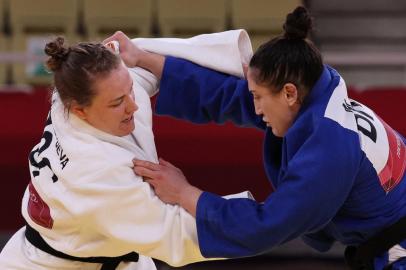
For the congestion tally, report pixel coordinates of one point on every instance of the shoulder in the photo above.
(144, 80)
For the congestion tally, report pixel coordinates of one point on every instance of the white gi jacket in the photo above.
(97, 205)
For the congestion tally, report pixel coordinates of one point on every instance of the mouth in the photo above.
(266, 121)
(128, 120)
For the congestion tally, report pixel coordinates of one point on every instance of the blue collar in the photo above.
(326, 83)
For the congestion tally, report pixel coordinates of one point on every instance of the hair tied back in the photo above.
(58, 53)
(298, 24)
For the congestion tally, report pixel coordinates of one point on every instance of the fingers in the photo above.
(113, 46)
(150, 181)
(111, 38)
(155, 171)
(147, 169)
(170, 165)
(166, 163)
(146, 173)
(146, 164)
(118, 36)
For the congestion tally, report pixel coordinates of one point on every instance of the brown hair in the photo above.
(291, 57)
(76, 68)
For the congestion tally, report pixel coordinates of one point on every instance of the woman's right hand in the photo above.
(129, 53)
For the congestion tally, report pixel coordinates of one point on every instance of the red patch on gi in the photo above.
(38, 210)
(394, 169)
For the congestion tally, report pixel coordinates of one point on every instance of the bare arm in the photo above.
(134, 56)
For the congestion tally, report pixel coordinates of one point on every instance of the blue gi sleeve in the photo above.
(311, 189)
(319, 240)
(201, 95)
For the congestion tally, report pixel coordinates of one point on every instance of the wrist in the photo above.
(142, 59)
(188, 199)
(152, 62)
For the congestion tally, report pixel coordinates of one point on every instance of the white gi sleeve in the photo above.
(146, 79)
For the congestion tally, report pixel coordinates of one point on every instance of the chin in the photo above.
(277, 133)
(124, 133)
(128, 131)
(125, 129)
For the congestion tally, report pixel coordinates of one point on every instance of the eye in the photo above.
(116, 104)
(255, 96)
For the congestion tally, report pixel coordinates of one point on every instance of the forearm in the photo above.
(200, 95)
(152, 62)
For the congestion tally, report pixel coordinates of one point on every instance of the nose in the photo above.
(131, 105)
(258, 109)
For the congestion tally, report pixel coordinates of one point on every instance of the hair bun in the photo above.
(57, 52)
(298, 24)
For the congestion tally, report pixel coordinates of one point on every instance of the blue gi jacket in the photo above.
(338, 173)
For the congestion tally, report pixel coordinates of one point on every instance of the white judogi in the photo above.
(98, 205)
(88, 202)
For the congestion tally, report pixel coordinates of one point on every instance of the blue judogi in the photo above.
(338, 173)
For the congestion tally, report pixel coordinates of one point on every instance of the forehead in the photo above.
(262, 88)
(252, 81)
(252, 76)
(116, 82)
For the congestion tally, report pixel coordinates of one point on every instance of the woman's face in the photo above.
(278, 110)
(113, 106)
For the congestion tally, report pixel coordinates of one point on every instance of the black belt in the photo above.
(362, 257)
(109, 263)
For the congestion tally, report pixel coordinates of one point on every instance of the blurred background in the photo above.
(364, 40)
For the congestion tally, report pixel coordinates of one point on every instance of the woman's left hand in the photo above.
(169, 183)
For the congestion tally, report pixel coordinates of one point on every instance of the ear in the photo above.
(78, 110)
(290, 93)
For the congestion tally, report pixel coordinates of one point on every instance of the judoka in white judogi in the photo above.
(84, 198)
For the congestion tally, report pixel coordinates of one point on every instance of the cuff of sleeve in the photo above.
(206, 204)
(168, 85)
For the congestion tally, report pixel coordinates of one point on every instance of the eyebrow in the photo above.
(121, 97)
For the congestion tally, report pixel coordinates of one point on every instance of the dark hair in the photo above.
(76, 68)
(289, 58)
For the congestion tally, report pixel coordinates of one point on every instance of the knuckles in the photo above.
(159, 177)
(119, 33)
